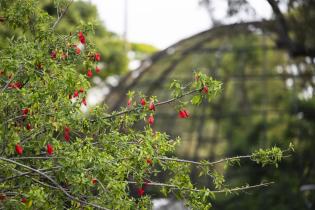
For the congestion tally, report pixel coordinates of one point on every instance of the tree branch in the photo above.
(282, 24)
(211, 163)
(54, 182)
(236, 189)
(62, 15)
(157, 104)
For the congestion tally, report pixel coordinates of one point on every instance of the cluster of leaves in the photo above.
(54, 156)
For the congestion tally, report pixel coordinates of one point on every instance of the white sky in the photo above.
(164, 22)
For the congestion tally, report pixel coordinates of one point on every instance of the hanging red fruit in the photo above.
(19, 149)
(205, 89)
(183, 113)
(151, 120)
(152, 106)
(142, 102)
(97, 57)
(50, 149)
(89, 73)
(81, 37)
(140, 192)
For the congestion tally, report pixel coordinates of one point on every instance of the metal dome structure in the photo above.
(261, 87)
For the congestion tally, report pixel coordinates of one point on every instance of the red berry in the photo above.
(183, 113)
(94, 181)
(151, 120)
(23, 200)
(81, 90)
(149, 161)
(97, 57)
(89, 73)
(25, 111)
(152, 106)
(142, 102)
(129, 102)
(75, 94)
(205, 89)
(140, 192)
(77, 51)
(19, 149)
(66, 136)
(84, 102)
(50, 149)
(28, 126)
(81, 37)
(53, 54)
(97, 69)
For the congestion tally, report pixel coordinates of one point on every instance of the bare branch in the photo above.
(236, 189)
(282, 24)
(62, 15)
(199, 163)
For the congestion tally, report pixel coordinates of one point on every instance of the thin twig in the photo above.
(26, 173)
(62, 15)
(210, 163)
(236, 189)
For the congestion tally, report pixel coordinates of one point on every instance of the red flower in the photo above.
(94, 181)
(23, 200)
(140, 191)
(77, 51)
(89, 73)
(151, 120)
(50, 149)
(25, 112)
(97, 69)
(19, 149)
(53, 54)
(205, 89)
(152, 106)
(142, 102)
(81, 37)
(129, 102)
(183, 113)
(75, 94)
(84, 102)
(97, 57)
(149, 161)
(28, 126)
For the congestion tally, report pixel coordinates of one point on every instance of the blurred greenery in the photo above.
(265, 102)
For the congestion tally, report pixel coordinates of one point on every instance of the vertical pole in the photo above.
(125, 34)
